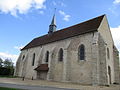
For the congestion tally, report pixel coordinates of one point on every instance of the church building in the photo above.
(83, 53)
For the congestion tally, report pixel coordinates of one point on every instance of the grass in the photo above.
(4, 88)
(6, 76)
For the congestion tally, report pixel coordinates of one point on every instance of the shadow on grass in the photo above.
(4, 88)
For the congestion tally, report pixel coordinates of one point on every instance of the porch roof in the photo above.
(42, 67)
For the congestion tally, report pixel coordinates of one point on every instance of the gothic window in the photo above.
(109, 73)
(47, 56)
(81, 52)
(108, 53)
(23, 57)
(60, 55)
(33, 61)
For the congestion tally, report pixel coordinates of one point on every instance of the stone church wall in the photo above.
(71, 69)
(105, 33)
(80, 70)
(103, 77)
(116, 66)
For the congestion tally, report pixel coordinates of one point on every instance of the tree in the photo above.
(8, 63)
(6, 67)
(1, 62)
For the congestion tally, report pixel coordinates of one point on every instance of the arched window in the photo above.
(33, 61)
(23, 57)
(108, 53)
(109, 73)
(81, 52)
(60, 55)
(47, 56)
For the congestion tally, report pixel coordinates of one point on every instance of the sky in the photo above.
(21, 21)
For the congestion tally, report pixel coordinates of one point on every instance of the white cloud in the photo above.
(113, 10)
(58, 3)
(65, 16)
(116, 37)
(5, 55)
(19, 6)
(41, 12)
(116, 2)
(18, 47)
(39, 3)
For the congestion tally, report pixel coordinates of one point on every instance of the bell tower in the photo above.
(52, 26)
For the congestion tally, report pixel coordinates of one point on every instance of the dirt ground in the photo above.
(19, 81)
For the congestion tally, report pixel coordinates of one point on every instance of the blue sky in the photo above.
(20, 22)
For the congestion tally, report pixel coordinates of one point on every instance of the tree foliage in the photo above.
(1, 62)
(6, 67)
(8, 63)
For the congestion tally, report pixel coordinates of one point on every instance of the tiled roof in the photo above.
(78, 29)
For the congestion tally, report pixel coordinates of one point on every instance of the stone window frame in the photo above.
(33, 59)
(60, 55)
(47, 57)
(81, 50)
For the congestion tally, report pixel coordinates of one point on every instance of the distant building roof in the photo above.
(78, 29)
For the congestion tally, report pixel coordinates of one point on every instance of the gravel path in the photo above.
(50, 85)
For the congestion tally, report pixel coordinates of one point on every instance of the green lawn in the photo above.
(5, 76)
(3, 88)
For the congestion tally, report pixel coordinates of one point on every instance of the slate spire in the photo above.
(52, 26)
